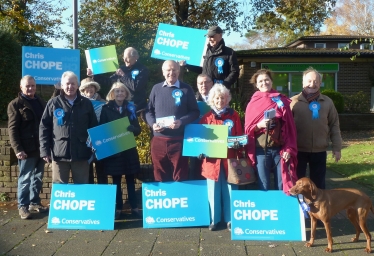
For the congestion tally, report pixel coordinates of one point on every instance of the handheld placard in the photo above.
(269, 114)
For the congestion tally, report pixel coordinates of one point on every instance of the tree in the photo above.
(351, 17)
(33, 22)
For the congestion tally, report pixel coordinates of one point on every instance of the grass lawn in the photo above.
(357, 163)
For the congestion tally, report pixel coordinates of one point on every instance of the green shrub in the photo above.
(337, 98)
(357, 103)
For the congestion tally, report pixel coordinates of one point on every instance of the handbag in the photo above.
(272, 137)
(240, 171)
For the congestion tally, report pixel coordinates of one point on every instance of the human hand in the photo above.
(263, 123)
(286, 156)
(119, 72)
(21, 155)
(176, 124)
(131, 128)
(157, 128)
(201, 157)
(89, 72)
(48, 159)
(337, 155)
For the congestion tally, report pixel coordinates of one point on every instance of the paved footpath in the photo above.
(31, 237)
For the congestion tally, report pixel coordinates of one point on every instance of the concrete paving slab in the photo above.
(175, 248)
(181, 235)
(236, 249)
(125, 247)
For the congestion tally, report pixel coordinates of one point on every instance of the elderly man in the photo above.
(24, 114)
(174, 100)
(63, 132)
(133, 75)
(204, 84)
(317, 122)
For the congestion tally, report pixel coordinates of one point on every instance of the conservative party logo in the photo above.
(150, 220)
(94, 61)
(190, 139)
(98, 143)
(157, 52)
(55, 221)
(238, 231)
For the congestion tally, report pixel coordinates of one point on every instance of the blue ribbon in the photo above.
(134, 74)
(229, 123)
(177, 94)
(278, 101)
(219, 63)
(314, 106)
(303, 205)
(131, 108)
(59, 114)
(218, 81)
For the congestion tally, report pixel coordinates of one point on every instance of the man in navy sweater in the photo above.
(176, 100)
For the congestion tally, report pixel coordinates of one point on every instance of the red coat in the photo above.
(211, 166)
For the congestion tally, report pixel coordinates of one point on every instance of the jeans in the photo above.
(30, 180)
(317, 167)
(264, 169)
(219, 197)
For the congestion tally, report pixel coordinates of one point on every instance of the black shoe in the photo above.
(117, 215)
(212, 227)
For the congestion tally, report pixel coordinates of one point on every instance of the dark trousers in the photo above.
(130, 181)
(101, 177)
(317, 167)
(167, 159)
(195, 169)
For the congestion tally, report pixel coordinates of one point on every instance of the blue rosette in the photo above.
(131, 108)
(177, 95)
(314, 106)
(134, 74)
(229, 123)
(59, 114)
(219, 64)
(278, 101)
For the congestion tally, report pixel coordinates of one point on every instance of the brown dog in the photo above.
(324, 204)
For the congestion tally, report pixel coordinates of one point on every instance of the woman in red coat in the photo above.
(215, 169)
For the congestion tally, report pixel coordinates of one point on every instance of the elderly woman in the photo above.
(215, 170)
(126, 162)
(89, 89)
(277, 152)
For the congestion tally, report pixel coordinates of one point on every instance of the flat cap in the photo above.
(214, 30)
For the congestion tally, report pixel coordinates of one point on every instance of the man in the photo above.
(317, 121)
(133, 74)
(63, 132)
(204, 84)
(24, 114)
(168, 99)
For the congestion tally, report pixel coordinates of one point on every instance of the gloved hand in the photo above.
(131, 128)
(201, 156)
(236, 145)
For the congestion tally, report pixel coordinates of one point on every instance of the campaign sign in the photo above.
(204, 108)
(180, 43)
(210, 140)
(47, 65)
(102, 60)
(82, 207)
(266, 215)
(242, 140)
(111, 138)
(175, 204)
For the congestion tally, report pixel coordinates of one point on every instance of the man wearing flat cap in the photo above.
(220, 62)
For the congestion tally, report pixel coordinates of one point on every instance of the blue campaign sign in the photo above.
(175, 204)
(82, 207)
(47, 65)
(266, 215)
(180, 43)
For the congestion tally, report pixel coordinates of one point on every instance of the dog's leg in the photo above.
(362, 215)
(313, 225)
(353, 217)
(329, 236)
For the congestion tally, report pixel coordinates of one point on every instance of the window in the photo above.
(319, 45)
(366, 46)
(342, 45)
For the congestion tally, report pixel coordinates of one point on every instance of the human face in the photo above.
(119, 95)
(311, 82)
(89, 91)
(219, 101)
(264, 83)
(204, 84)
(128, 59)
(70, 87)
(28, 87)
(214, 40)
(170, 71)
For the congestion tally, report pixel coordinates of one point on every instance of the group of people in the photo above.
(295, 136)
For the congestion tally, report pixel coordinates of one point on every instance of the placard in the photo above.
(111, 138)
(102, 60)
(242, 140)
(204, 108)
(175, 204)
(82, 206)
(180, 43)
(47, 65)
(266, 215)
(210, 140)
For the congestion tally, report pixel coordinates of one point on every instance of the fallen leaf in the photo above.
(47, 231)
(33, 245)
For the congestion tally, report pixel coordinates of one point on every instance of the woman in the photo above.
(126, 162)
(89, 89)
(215, 170)
(280, 152)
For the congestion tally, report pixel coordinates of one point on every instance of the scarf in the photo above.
(260, 102)
(311, 96)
